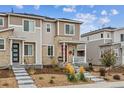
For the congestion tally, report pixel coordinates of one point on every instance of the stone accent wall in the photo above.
(5, 54)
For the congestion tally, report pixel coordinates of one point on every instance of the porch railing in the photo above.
(79, 60)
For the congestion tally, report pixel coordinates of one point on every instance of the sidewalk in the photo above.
(119, 84)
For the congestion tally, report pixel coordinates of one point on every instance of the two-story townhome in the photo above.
(28, 39)
(101, 40)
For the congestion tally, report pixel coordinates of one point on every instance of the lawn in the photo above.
(7, 79)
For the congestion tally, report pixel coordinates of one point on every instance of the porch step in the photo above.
(20, 68)
(20, 71)
(23, 77)
(22, 82)
(27, 86)
(21, 74)
(97, 79)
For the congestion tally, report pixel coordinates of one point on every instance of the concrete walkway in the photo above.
(23, 78)
(119, 84)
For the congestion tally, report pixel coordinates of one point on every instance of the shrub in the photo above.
(41, 78)
(70, 73)
(32, 70)
(81, 74)
(5, 84)
(53, 77)
(102, 71)
(107, 79)
(57, 69)
(108, 58)
(116, 77)
(51, 81)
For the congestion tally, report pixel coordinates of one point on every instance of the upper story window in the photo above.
(122, 37)
(29, 25)
(69, 29)
(108, 35)
(48, 27)
(101, 35)
(2, 46)
(88, 38)
(50, 50)
(1, 21)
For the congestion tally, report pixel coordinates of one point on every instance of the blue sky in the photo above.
(93, 16)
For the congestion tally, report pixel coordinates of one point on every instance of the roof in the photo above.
(70, 20)
(109, 29)
(7, 29)
(72, 42)
(109, 44)
(40, 17)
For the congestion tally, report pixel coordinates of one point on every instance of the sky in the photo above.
(93, 16)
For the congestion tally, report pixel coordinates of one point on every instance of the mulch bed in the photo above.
(6, 73)
(48, 71)
(117, 70)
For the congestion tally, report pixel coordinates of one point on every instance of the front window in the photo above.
(50, 50)
(48, 27)
(1, 22)
(2, 44)
(69, 29)
(28, 26)
(122, 37)
(28, 49)
(101, 35)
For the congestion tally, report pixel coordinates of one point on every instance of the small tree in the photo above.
(108, 59)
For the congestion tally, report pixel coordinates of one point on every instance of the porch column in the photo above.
(64, 52)
(10, 51)
(23, 52)
(85, 57)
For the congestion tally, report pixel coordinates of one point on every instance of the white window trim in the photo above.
(47, 51)
(32, 50)
(29, 30)
(3, 22)
(4, 44)
(116, 51)
(46, 27)
(65, 29)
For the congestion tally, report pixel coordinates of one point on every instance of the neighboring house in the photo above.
(29, 39)
(102, 40)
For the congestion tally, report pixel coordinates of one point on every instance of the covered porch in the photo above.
(70, 53)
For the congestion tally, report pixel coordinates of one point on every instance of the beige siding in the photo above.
(5, 22)
(15, 20)
(5, 54)
(77, 30)
(48, 37)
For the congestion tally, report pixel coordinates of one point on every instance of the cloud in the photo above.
(114, 12)
(88, 21)
(94, 11)
(37, 7)
(104, 12)
(69, 9)
(19, 6)
(86, 18)
(104, 20)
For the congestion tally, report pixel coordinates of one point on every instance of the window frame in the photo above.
(102, 35)
(32, 49)
(65, 29)
(48, 51)
(3, 22)
(46, 27)
(121, 37)
(29, 25)
(4, 44)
